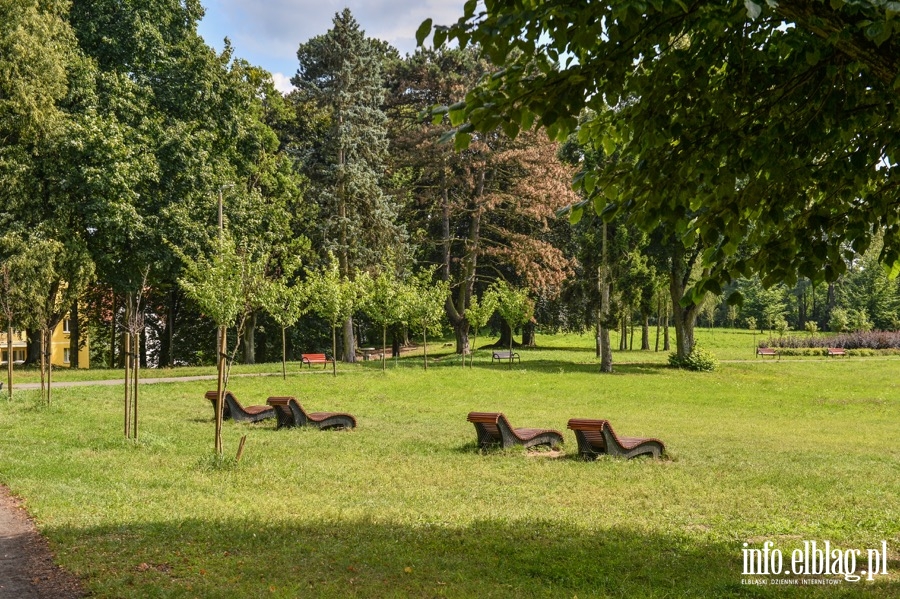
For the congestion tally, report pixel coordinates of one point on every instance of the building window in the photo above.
(66, 355)
(66, 326)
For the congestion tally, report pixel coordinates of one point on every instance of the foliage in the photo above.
(811, 327)
(876, 340)
(215, 282)
(513, 304)
(839, 321)
(789, 170)
(700, 360)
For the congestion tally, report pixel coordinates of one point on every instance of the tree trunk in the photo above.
(221, 350)
(74, 336)
(138, 355)
(631, 324)
(425, 345)
(283, 354)
(112, 333)
(395, 342)
(167, 341)
(250, 339)
(528, 335)
(685, 317)
(461, 331)
(666, 346)
(658, 320)
(645, 332)
(126, 345)
(606, 359)
(349, 353)
(506, 335)
(33, 351)
(334, 348)
(9, 359)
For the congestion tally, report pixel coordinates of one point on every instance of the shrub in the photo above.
(699, 360)
(811, 327)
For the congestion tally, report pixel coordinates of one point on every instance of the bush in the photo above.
(699, 360)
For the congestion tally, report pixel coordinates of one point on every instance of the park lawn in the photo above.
(407, 506)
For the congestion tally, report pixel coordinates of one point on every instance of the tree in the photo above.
(22, 267)
(514, 306)
(286, 304)
(485, 212)
(789, 169)
(424, 300)
(334, 298)
(384, 304)
(340, 76)
(478, 314)
(214, 282)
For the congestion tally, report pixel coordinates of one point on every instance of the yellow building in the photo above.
(60, 347)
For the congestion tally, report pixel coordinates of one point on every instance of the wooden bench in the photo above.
(290, 413)
(596, 437)
(505, 355)
(493, 428)
(235, 411)
(836, 351)
(316, 359)
(766, 351)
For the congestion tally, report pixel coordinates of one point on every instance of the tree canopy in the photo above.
(769, 126)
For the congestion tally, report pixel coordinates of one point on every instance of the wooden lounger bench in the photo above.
(235, 411)
(505, 355)
(836, 351)
(493, 428)
(290, 413)
(596, 437)
(766, 351)
(316, 359)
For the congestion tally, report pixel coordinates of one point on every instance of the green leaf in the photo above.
(609, 145)
(599, 205)
(735, 299)
(462, 140)
(575, 215)
(423, 31)
(753, 9)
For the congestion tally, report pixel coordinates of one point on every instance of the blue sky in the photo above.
(267, 32)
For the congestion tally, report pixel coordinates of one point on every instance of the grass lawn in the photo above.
(406, 506)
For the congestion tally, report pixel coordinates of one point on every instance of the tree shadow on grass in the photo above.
(565, 366)
(287, 556)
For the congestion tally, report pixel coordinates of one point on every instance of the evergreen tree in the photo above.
(340, 80)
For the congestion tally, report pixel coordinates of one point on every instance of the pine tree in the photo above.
(340, 78)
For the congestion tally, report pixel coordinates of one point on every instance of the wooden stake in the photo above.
(240, 451)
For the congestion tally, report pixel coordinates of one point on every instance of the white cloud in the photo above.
(282, 82)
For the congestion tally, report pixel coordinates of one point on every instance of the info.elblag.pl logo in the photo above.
(813, 559)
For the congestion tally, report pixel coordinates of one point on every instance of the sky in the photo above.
(267, 33)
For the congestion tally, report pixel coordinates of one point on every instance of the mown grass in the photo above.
(406, 506)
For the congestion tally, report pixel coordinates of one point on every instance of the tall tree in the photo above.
(340, 77)
(485, 210)
(792, 168)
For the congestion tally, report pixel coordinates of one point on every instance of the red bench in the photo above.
(290, 413)
(596, 437)
(233, 409)
(493, 428)
(836, 351)
(316, 359)
(766, 351)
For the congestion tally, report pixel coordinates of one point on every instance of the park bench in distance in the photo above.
(766, 351)
(505, 355)
(234, 410)
(493, 428)
(290, 413)
(836, 351)
(316, 359)
(596, 437)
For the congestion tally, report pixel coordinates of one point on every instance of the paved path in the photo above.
(27, 570)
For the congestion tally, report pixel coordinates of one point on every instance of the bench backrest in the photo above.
(313, 357)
